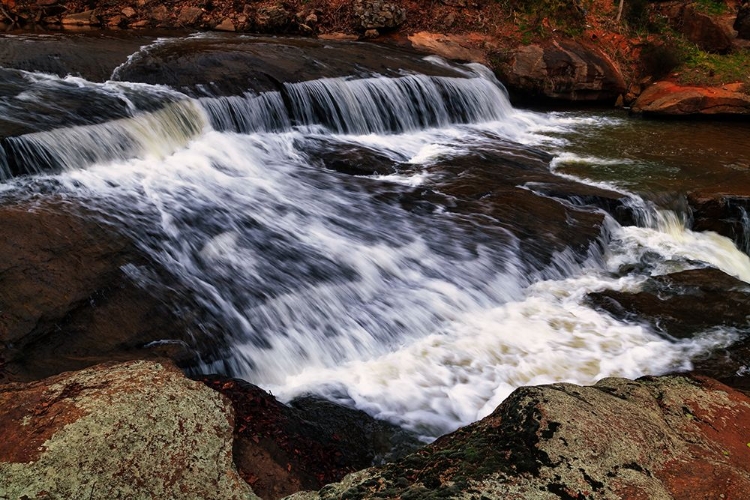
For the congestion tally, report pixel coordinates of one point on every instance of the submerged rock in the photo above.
(560, 69)
(282, 449)
(669, 99)
(668, 437)
(133, 430)
(683, 304)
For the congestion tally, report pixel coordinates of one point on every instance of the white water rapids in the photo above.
(328, 288)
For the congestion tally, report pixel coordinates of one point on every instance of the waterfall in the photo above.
(157, 133)
(377, 105)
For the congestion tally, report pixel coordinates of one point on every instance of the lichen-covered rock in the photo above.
(272, 18)
(669, 99)
(133, 430)
(560, 69)
(654, 438)
(378, 14)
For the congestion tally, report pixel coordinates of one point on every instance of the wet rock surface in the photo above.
(282, 449)
(136, 430)
(724, 212)
(683, 304)
(670, 99)
(559, 69)
(66, 301)
(667, 437)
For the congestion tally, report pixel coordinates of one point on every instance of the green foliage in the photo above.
(702, 68)
(712, 7)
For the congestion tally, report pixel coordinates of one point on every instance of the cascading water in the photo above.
(382, 291)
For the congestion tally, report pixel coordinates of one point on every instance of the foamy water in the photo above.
(327, 287)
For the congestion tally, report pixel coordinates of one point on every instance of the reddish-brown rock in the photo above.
(560, 69)
(669, 99)
(711, 33)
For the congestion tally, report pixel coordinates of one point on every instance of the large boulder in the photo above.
(560, 69)
(669, 437)
(710, 33)
(670, 99)
(133, 430)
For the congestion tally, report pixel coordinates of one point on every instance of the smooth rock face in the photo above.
(560, 69)
(133, 430)
(669, 99)
(654, 438)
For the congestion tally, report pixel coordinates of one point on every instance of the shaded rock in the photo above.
(232, 66)
(666, 437)
(189, 16)
(272, 18)
(453, 47)
(86, 18)
(66, 301)
(669, 99)
(352, 160)
(282, 449)
(708, 32)
(160, 13)
(495, 186)
(683, 304)
(378, 14)
(560, 69)
(133, 430)
(742, 23)
(225, 25)
(727, 214)
(615, 204)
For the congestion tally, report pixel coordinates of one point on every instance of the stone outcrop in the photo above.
(726, 213)
(669, 99)
(559, 69)
(378, 14)
(655, 438)
(133, 430)
(710, 33)
(282, 449)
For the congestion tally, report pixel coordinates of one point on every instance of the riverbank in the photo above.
(91, 246)
(580, 52)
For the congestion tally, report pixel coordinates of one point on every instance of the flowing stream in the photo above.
(386, 287)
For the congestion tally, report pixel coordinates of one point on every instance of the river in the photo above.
(384, 238)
